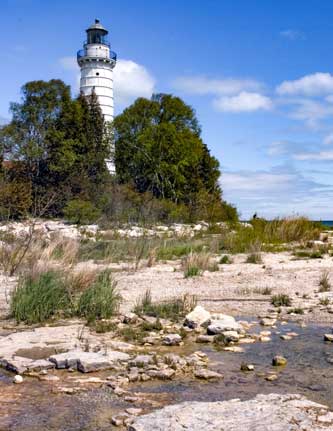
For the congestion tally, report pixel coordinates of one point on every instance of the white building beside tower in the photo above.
(97, 61)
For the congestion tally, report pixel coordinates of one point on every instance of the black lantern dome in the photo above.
(96, 33)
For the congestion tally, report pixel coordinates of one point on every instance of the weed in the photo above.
(324, 301)
(101, 300)
(103, 326)
(225, 260)
(172, 309)
(37, 298)
(263, 290)
(195, 263)
(324, 282)
(296, 310)
(281, 300)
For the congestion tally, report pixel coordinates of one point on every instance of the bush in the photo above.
(100, 300)
(281, 300)
(81, 212)
(172, 309)
(37, 298)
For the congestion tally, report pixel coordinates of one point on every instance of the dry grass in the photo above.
(195, 263)
(324, 282)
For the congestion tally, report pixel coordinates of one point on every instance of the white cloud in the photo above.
(202, 85)
(310, 111)
(317, 84)
(292, 34)
(328, 140)
(279, 191)
(243, 102)
(131, 80)
(320, 156)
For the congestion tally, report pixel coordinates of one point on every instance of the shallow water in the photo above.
(33, 406)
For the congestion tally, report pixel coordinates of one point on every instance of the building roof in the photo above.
(97, 26)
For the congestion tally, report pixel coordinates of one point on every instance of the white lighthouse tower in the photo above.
(96, 61)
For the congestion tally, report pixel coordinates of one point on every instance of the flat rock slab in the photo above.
(88, 361)
(272, 412)
(20, 365)
(224, 323)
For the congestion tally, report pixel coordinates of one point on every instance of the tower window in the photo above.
(97, 73)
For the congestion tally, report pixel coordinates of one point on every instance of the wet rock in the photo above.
(197, 317)
(205, 338)
(234, 349)
(273, 412)
(247, 367)
(203, 373)
(49, 378)
(231, 336)
(279, 361)
(18, 379)
(119, 420)
(88, 361)
(328, 337)
(267, 321)
(286, 337)
(152, 340)
(172, 340)
(225, 323)
(271, 377)
(246, 340)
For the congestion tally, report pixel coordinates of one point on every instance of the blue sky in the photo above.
(258, 73)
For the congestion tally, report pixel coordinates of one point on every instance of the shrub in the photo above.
(297, 310)
(195, 263)
(81, 212)
(39, 297)
(101, 300)
(281, 300)
(172, 309)
(225, 260)
(324, 282)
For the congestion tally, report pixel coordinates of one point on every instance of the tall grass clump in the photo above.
(100, 300)
(255, 254)
(281, 300)
(38, 297)
(324, 282)
(195, 263)
(173, 309)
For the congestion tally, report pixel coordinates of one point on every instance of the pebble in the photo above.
(279, 361)
(18, 379)
(328, 337)
(271, 377)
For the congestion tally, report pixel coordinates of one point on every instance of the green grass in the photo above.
(192, 271)
(101, 300)
(281, 300)
(308, 254)
(225, 260)
(296, 310)
(173, 309)
(38, 298)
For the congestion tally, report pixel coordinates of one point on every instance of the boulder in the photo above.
(142, 361)
(197, 317)
(225, 323)
(172, 340)
(273, 412)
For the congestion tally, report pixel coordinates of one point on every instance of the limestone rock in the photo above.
(172, 340)
(225, 323)
(328, 337)
(205, 338)
(203, 373)
(142, 361)
(272, 412)
(197, 317)
(18, 379)
(279, 361)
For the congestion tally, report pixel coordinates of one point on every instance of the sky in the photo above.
(258, 73)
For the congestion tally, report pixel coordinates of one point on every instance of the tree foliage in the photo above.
(160, 150)
(56, 145)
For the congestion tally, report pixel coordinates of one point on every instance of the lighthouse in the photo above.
(97, 61)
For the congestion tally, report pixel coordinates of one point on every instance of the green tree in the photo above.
(159, 149)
